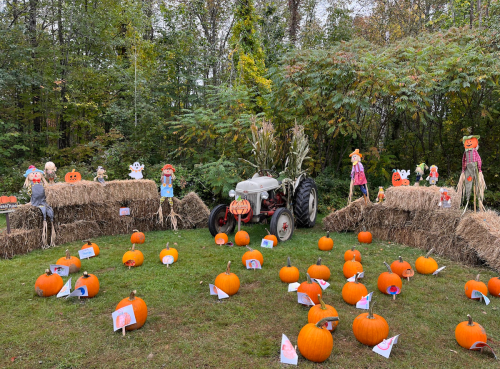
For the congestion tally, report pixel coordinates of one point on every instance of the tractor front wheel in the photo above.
(282, 224)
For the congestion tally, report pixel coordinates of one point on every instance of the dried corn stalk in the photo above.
(299, 147)
(263, 143)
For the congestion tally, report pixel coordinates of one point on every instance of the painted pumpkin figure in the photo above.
(396, 178)
(48, 284)
(227, 281)
(140, 310)
(72, 262)
(72, 177)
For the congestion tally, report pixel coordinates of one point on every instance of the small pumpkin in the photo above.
(396, 178)
(93, 245)
(72, 177)
(242, 238)
(12, 199)
(320, 311)
(325, 243)
(4, 199)
(312, 289)
(227, 281)
(352, 292)
(349, 254)
(399, 266)
(469, 332)
(140, 310)
(137, 237)
(494, 286)
(271, 237)
(315, 342)
(48, 284)
(289, 273)
(133, 258)
(426, 264)
(219, 237)
(319, 271)
(388, 279)
(352, 267)
(252, 254)
(72, 262)
(475, 285)
(365, 237)
(370, 329)
(169, 251)
(91, 282)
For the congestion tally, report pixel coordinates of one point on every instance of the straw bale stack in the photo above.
(19, 241)
(418, 198)
(346, 219)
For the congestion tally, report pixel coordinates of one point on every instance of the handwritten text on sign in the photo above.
(86, 253)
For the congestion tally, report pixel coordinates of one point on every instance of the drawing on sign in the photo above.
(288, 353)
(168, 259)
(364, 303)
(62, 270)
(253, 264)
(79, 292)
(479, 295)
(65, 290)
(217, 291)
(292, 287)
(267, 243)
(304, 299)
(384, 348)
(86, 253)
(480, 345)
(322, 283)
(123, 317)
(393, 290)
(124, 211)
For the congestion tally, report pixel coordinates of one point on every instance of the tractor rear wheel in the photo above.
(305, 206)
(216, 222)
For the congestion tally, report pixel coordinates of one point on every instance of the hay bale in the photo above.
(19, 241)
(193, 211)
(26, 217)
(79, 230)
(482, 231)
(418, 198)
(442, 222)
(380, 215)
(346, 219)
(116, 226)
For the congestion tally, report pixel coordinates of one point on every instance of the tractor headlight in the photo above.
(264, 195)
(232, 193)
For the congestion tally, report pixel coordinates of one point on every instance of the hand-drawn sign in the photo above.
(239, 207)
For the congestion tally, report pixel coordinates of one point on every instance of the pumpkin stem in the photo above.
(323, 305)
(67, 255)
(167, 247)
(88, 242)
(48, 272)
(370, 312)
(356, 278)
(327, 234)
(132, 295)
(477, 277)
(135, 230)
(318, 262)
(85, 275)
(249, 248)
(322, 322)
(388, 267)
(471, 323)
(133, 246)
(352, 248)
(267, 230)
(353, 258)
(228, 267)
(400, 259)
(309, 281)
(288, 262)
(430, 252)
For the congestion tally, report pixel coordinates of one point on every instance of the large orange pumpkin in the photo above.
(349, 254)
(93, 245)
(271, 237)
(352, 292)
(289, 273)
(494, 286)
(312, 289)
(133, 258)
(252, 254)
(137, 237)
(370, 329)
(387, 279)
(325, 243)
(169, 251)
(227, 281)
(91, 282)
(315, 342)
(475, 285)
(426, 264)
(352, 267)
(319, 271)
(399, 266)
(72, 262)
(48, 284)
(241, 238)
(320, 311)
(140, 310)
(469, 332)
(72, 177)
(365, 237)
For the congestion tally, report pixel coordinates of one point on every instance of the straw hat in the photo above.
(356, 152)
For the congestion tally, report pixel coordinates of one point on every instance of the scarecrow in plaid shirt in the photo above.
(472, 177)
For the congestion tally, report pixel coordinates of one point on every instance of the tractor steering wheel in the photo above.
(272, 171)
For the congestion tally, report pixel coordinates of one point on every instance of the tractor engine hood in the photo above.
(257, 185)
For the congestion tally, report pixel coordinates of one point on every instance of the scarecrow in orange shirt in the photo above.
(167, 192)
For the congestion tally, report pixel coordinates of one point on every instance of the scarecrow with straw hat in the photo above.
(472, 178)
(34, 182)
(358, 177)
(419, 170)
(167, 192)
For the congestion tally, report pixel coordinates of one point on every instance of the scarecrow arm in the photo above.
(478, 159)
(464, 162)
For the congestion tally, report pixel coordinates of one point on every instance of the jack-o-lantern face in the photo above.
(72, 177)
(396, 179)
(470, 143)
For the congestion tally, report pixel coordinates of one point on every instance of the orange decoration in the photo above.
(387, 279)
(320, 311)
(349, 254)
(352, 267)
(240, 207)
(72, 262)
(48, 284)
(399, 266)
(93, 245)
(370, 329)
(241, 238)
(227, 281)
(475, 285)
(169, 251)
(289, 273)
(140, 310)
(425, 264)
(325, 243)
(72, 177)
(494, 286)
(252, 254)
(137, 237)
(396, 179)
(319, 271)
(364, 237)
(352, 292)
(133, 258)
(221, 236)
(91, 282)
(469, 332)
(271, 237)
(312, 289)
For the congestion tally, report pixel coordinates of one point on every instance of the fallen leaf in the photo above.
(484, 312)
(454, 351)
(201, 282)
(150, 356)
(13, 358)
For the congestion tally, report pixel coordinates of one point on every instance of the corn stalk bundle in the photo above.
(264, 148)
(297, 153)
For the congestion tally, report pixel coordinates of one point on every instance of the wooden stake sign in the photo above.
(123, 317)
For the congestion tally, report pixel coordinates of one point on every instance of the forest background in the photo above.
(85, 83)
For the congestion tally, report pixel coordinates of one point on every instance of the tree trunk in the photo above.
(64, 125)
(293, 6)
(471, 13)
(35, 86)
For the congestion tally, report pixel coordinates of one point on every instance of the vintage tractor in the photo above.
(287, 203)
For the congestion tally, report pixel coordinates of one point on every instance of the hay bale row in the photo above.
(346, 219)
(77, 231)
(418, 198)
(380, 215)
(19, 241)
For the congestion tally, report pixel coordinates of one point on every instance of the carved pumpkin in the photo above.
(352, 267)
(365, 237)
(133, 255)
(221, 236)
(289, 273)
(48, 284)
(469, 332)
(72, 262)
(271, 237)
(91, 282)
(320, 311)
(388, 279)
(399, 266)
(140, 310)
(242, 238)
(494, 286)
(240, 207)
(93, 245)
(252, 254)
(169, 251)
(370, 329)
(396, 178)
(319, 271)
(72, 177)
(425, 264)
(315, 342)
(227, 281)
(349, 254)
(137, 237)
(352, 292)
(475, 285)
(312, 289)
(325, 243)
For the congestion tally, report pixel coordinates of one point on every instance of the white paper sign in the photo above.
(288, 354)
(268, 244)
(253, 264)
(329, 325)
(123, 317)
(323, 284)
(364, 303)
(479, 345)
(124, 211)
(304, 299)
(62, 270)
(168, 259)
(86, 253)
(217, 291)
(438, 270)
(65, 290)
(292, 287)
(80, 291)
(352, 279)
(384, 348)
(480, 296)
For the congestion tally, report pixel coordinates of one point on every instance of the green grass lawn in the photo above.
(188, 328)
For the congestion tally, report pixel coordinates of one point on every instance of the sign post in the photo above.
(239, 207)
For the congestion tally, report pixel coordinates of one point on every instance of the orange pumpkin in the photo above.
(48, 284)
(365, 237)
(219, 237)
(494, 286)
(349, 254)
(227, 281)
(425, 264)
(320, 311)
(72, 177)
(91, 282)
(312, 289)
(169, 251)
(140, 310)
(352, 267)
(137, 237)
(271, 237)
(319, 271)
(133, 258)
(475, 285)
(12, 199)
(387, 279)
(370, 329)
(325, 243)
(315, 342)
(252, 254)
(469, 332)
(72, 262)
(4, 199)
(399, 266)
(396, 178)
(289, 273)
(240, 207)
(242, 238)
(471, 143)
(352, 292)
(93, 245)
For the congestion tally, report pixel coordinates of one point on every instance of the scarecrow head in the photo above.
(471, 142)
(168, 170)
(420, 168)
(50, 166)
(33, 175)
(434, 168)
(355, 156)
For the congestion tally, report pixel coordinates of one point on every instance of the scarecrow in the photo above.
(419, 170)
(445, 199)
(472, 177)
(167, 192)
(34, 182)
(381, 195)
(50, 172)
(100, 174)
(433, 175)
(358, 175)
